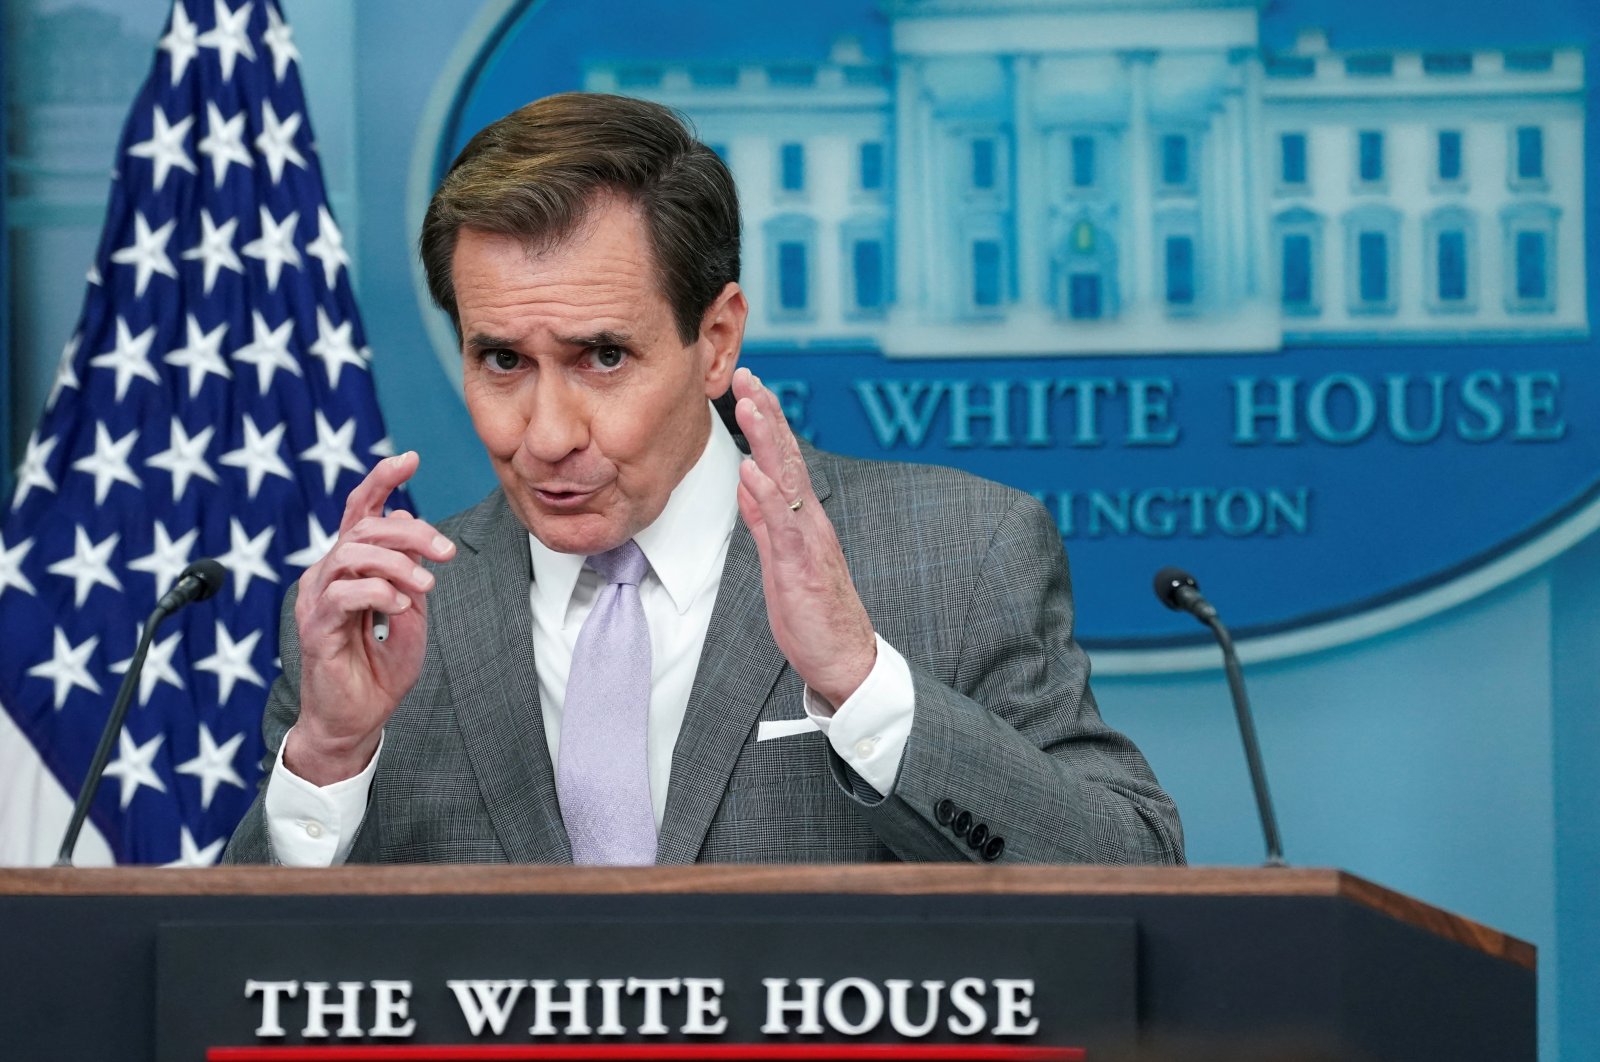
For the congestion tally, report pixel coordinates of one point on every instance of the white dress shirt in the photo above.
(686, 547)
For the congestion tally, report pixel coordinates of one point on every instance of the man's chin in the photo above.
(584, 533)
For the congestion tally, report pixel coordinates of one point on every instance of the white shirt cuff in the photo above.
(870, 729)
(314, 826)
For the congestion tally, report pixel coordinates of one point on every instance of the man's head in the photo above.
(536, 173)
(587, 249)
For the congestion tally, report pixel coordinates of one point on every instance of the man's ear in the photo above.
(721, 335)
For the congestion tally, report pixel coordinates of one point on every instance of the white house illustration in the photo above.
(1071, 176)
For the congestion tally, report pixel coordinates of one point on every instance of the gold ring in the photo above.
(794, 506)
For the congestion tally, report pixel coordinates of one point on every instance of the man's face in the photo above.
(590, 406)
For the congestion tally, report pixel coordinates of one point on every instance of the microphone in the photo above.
(200, 580)
(197, 582)
(1177, 589)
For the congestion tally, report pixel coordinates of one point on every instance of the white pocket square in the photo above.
(777, 728)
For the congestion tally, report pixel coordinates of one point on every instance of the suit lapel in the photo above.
(484, 628)
(738, 668)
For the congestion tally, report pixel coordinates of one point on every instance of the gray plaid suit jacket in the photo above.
(966, 578)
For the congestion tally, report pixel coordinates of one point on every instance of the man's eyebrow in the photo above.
(603, 338)
(484, 342)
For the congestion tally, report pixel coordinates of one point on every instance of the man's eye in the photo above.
(504, 360)
(609, 357)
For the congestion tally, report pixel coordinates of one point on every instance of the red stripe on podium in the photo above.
(647, 1053)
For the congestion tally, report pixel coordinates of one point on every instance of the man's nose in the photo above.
(558, 422)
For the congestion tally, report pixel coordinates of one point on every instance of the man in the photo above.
(647, 646)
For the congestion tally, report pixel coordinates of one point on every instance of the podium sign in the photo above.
(779, 982)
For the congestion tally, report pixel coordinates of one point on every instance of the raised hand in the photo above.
(816, 615)
(350, 682)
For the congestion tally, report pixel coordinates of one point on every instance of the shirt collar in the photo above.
(682, 545)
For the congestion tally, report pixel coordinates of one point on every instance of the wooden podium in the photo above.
(254, 964)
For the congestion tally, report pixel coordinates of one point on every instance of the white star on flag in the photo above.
(68, 667)
(11, 558)
(66, 372)
(318, 543)
(34, 470)
(231, 37)
(164, 149)
(333, 451)
(192, 855)
(269, 350)
(135, 765)
(129, 358)
(275, 246)
(89, 565)
(169, 557)
(147, 253)
(203, 355)
(280, 39)
(231, 662)
(223, 143)
(333, 346)
(215, 249)
(109, 462)
(157, 666)
(184, 457)
(276, 141)
(328, 247)
(246, 558)
(213, 765)
(180, 43)
(259, 455)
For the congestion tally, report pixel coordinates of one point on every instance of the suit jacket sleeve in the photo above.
(252, 841)
(1005, 726)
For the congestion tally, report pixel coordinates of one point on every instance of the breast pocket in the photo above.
(782, 752)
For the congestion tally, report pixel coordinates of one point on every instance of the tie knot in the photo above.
(624, 564)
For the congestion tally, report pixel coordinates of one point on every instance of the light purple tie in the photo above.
(604, 776)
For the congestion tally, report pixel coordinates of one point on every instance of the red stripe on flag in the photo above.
(646, 1053)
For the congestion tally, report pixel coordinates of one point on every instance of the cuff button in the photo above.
(962, 823)
(994, 849)
(944, 811)
(979, 835)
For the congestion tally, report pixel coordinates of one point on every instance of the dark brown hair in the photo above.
(536, 173)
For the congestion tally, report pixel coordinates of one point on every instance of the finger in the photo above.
(749, 385)
(353, 598)
(355, 560)
(750, 509)
(778, 519)
(406, 535)
(768, 450)
(370, 495)
(341, 605)
(744, 383)
(779, 454)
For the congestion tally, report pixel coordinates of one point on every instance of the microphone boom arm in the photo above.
(1247, 735)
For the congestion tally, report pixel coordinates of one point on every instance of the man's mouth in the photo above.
(561, 497)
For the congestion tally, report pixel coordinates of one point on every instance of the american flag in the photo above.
(215, 400)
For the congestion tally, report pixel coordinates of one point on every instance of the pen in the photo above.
(380, 626)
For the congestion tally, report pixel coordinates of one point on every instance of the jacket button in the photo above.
(962, 823)
(944, 811)
(979, 834)
(994, 848)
